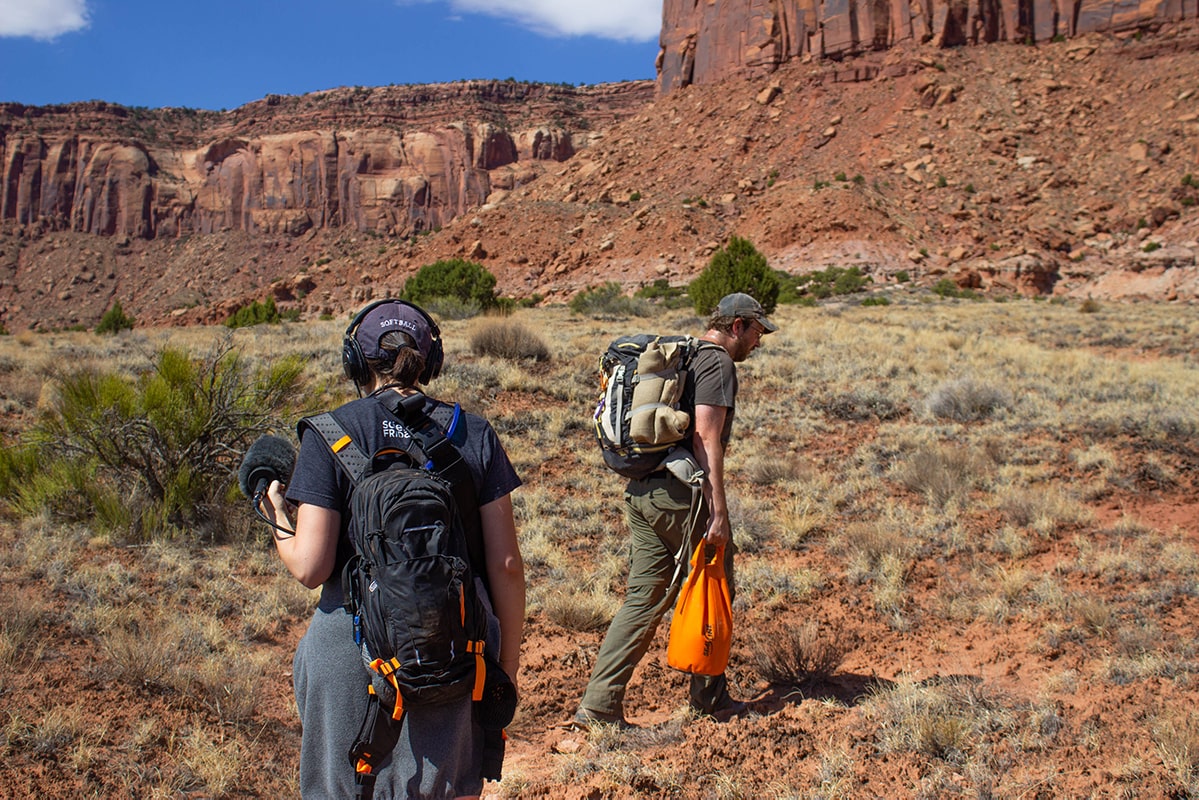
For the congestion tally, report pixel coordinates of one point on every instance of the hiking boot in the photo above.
(585, 719)
(728, 709)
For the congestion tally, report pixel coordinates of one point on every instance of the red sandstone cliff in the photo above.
(705, 41)
(392, 160)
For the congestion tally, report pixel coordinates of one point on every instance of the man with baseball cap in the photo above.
(660, 513)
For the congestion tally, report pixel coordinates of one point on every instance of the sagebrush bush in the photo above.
(737, 267)
(509, 340)
(153, 453)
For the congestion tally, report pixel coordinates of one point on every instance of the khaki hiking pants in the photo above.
(658, 511)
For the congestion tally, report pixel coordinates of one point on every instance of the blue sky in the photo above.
(224, 53)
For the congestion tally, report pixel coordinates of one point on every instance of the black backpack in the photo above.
(638, 419)
(410, 583)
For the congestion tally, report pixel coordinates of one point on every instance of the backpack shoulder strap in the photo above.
(350, 456)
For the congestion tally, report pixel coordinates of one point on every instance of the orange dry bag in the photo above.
(701, 631)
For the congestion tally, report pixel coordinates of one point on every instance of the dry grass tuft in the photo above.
(508, 339)
(580, 611)
(943, 473)
(967, 400)
(1176, 734)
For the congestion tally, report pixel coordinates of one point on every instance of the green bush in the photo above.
(115, 320)
(451, 308)
(609, 299)
(661, 291)
(153, 455)
(876, 301)
(947, 288)
(465, 281)
(821, 284)
(265, 313)
(737, 267)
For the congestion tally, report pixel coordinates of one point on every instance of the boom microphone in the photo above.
(271, 458)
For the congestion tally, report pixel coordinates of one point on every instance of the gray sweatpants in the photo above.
(439, 754)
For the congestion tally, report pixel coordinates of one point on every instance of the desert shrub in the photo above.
(1090, 306)
(797, 657)
(947, 288)
(609, 299)
(876, 301)
(737, 267)
(509, 340)
(808, 287)
(153, 454)
(264, 313)
(902, 276)
(451, 308)
(661, 291)
(466, 281)
(966, 400)
(115, 320)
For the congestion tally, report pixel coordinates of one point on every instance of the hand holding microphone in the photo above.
(270, 458)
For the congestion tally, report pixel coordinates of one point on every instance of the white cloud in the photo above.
(624, 20)
(42, 19)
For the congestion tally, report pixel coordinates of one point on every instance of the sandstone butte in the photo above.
(1063, 168)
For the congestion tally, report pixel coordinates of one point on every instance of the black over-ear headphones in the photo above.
(354, 362)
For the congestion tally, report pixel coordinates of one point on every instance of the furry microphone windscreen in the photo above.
(271, 458)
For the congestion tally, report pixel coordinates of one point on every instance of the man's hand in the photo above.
(719, 531)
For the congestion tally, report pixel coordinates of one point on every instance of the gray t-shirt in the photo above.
(712, 381)
(319, 480)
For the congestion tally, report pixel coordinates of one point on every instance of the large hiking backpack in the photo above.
(410, 583)
(638, 421)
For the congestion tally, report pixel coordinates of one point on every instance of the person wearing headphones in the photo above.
(390, 346)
